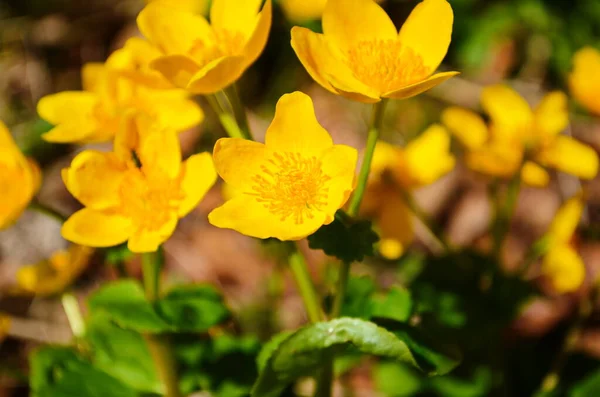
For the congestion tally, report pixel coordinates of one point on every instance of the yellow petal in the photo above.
(238, 160)
(428, 31)
(552, 114)
(72, 114)
(565, 268)
(93, 76)
(348, 22)
(495, 159)
(339, 164)
(566, 221)
(467, 126)
(235, 15)
(144, 240)
(5, 324)
(295, 127)
(584, 81)
(178, 114)
(171, 30)
(217, 75)
(394, 219)
(159, 149)
(251, 218)
(385, 157)
(420, 87)
(94, 178)
(198, 176)
(570, 156)
(534, 175)
(178, 69)
(302, 10)
(350, 87)
(96, 229)
(428, 157)
(8, 146)
(509, 112)
(258, 39)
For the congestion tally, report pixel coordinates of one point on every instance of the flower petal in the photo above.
(584, 81)
(552, 114)
(348, 22)
(258, 39)
(510, 113)
(467, 126)
(9, 146)
(566, 221)
(420, 87)
(428, 31)
(149, 240)
(171, 30)
(179, 114)
(295, 127)
(251, 218)
(217, 75)
(534, 175)
(71, 112)
(428, 157)
(199, 175)
(395, 222)
(96, 229)
(235, 15)
(178, 69)
(93, 76)
(565, 268)
(339, 164)
(159, 149)
(238, 160)
(570, 156)
(94, 178)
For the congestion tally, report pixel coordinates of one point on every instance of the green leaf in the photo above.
(589, 386)
(357, 302)
(306, 350)
(269, 348)
(194, 308)
(117, 255)
(396, 380)
(450, 386)
(123, 354)
(124, 302)
(396, 305)
(346, 239)
(61, 372)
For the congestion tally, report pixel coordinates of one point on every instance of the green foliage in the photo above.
(589, 386)
(346, 239)
(396, 304)
(61, 372)
(397, 380)
(193, 308)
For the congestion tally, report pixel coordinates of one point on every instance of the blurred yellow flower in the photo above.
(113, 91)
(303, 10)
(397, 171)
(562, 264)
(201, 57)
(136, 193)
(4, 326)
(290, 186)
(19, 179)
(584, 80)
(56, 274)
(517, 133)
(362, 56)
(195, 6)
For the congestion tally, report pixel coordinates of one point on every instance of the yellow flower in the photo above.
(518, 132)
(19, 179)
(4, 326)
(584, 81)
(362, 56)
(201, 57)
(290, 186)
(195, 6)
(55, 274)
(397, 171)
(124, 85)
(303, 10)
(562, 264)
(136, 193)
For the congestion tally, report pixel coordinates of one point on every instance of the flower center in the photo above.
(291, 185)
(386, 64)
(150, 201)
(227, 43)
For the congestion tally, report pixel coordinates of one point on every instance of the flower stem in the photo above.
(435, 229)
(504, 213)
(45, 210)
(71, 307)
(306, 287)
(226, 119)
(239, 112)
(372, 138)
(159, 345)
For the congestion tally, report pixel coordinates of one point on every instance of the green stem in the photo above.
(239, 112)
(227, 119)
(305, 286)
(363, 176)
(325, 380)
(71, 307)
(45, 210)
(435, 229)
(504, 213)
(159, 345)
(537, 250)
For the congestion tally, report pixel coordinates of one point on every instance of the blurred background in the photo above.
(44, 44)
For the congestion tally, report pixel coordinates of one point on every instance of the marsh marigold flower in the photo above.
(55, 274)
(518, 133)
(562, 264)
(584, 80)
(136, 193)
(362, 56)
(19, 179)
(113, 91)
(195, 6)
(201, 57)
(290, 186)
(397, 171)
